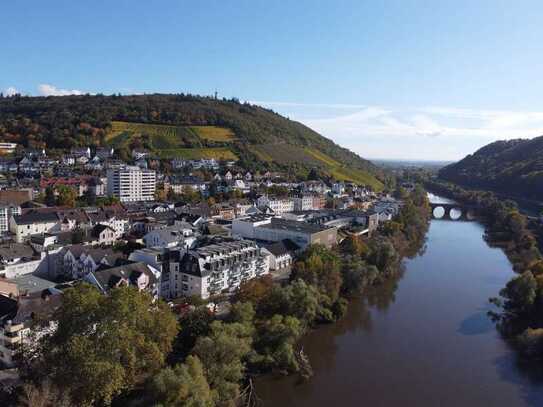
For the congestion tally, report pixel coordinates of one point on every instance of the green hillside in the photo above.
(513, 167)
(173, 125)
(172, 141)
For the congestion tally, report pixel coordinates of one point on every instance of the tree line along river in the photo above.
(422, 339)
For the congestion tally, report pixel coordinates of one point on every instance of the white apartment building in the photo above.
(8, 147)
(131, 183)
(277, 205)
(303, 203)
(215, 268)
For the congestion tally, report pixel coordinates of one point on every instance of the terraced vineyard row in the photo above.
(288, 154)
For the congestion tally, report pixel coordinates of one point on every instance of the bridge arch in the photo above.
(452, 211)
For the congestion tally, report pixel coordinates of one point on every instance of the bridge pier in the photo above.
(447, 208)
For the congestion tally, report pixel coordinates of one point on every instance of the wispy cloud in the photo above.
(430, 132)
(51, 90)
(10, 91)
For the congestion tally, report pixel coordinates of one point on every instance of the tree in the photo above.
(531, 342)
(90, 197)
(320, 267)
(66, 196)
(275, 342)
(520, 294)
(44, 394)
(50, 198)
(104, 345)
(182, 385)
(255, 290)
(193, 325)
(298, 299)
(222, 354)
(357, 275)
(383, 255)
(354, 245)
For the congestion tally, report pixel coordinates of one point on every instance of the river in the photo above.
(423, 339)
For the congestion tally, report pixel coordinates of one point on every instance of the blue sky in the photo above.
(388, 79)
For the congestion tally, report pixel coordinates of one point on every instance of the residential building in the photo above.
(32, 223)
(78, 260)
(180, 234)
(104, 235)
(6, 212)
(303, 203)
(17, 314)
(281, 255)
(155, 258)
(80, 183)
(81, 152)
(7, 148)
(338, 188)
(18, 259)
(277, 205)
(113, 216)
(104, 152)
(270, 229)
(139, 275)
(131, 184)
(214, 268)
(180, 184)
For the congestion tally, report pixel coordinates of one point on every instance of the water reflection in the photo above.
(476, 324)
(525, 374)
(420, 339)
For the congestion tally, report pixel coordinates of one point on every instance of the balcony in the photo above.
(10, 341)
(8, 328)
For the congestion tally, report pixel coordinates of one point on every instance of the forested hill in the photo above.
(180, 126)
(512, 167)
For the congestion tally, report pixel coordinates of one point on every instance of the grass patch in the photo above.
(214, 133)
(329, 161)
(288, 154)
(153, 130)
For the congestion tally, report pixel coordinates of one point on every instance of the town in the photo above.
(178, 229)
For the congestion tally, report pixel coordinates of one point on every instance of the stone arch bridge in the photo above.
(453, 211)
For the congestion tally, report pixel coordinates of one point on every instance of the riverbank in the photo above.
(262, 333)
(505, 226)
(520, 301)
(422, 338)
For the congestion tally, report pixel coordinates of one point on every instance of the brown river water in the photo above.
(423, 339)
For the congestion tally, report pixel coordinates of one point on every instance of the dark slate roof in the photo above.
(35, 217)
(14, 251)
(77, 215)
(8, 307)
(100, 228)
(96, 253)
(109, 277)
(281, 248)
(44, 303)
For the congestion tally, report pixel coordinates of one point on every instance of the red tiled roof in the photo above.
(68, 181)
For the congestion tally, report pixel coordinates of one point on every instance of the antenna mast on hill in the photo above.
(216, 94)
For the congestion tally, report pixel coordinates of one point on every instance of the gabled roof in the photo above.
(77, 215)
(109, 277)
(281, 248)
(98, 255)
(36, 217)
(14, 251)
(169, 234)
(100, 228)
